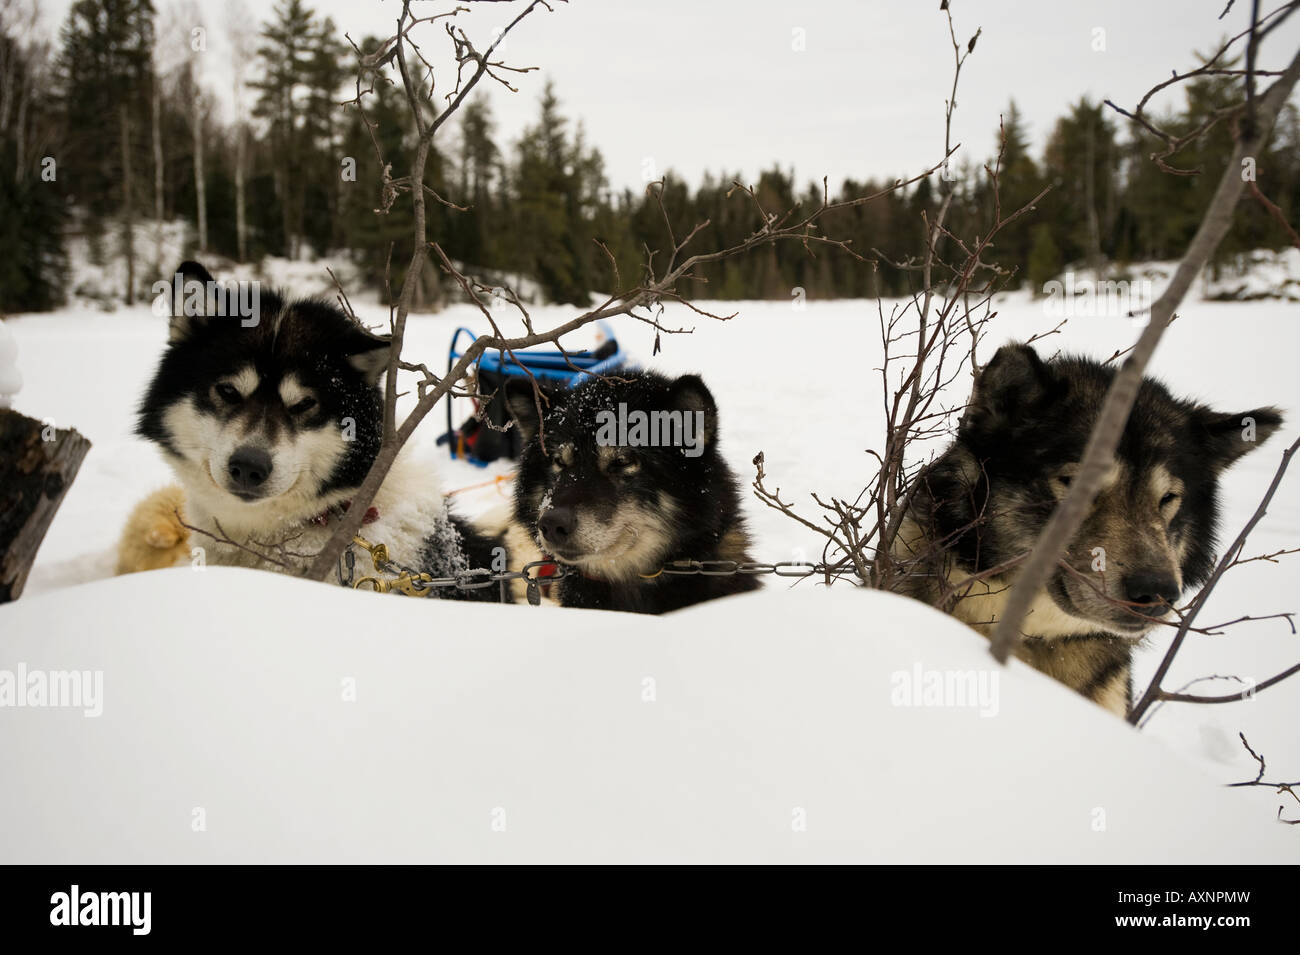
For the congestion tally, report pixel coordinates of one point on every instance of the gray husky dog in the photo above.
(1150, 535)
(271, 421)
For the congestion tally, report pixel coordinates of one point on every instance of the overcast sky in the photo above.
(844, 88)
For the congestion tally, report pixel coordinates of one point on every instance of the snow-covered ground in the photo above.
(253, 718)
(1250, 276)
(800, 385)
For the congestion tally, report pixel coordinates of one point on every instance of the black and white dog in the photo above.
(271, 418)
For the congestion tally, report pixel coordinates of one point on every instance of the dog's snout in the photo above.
(1155, 588)
(557, 524)
(248, 468)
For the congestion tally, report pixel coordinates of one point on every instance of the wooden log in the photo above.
(37, 465)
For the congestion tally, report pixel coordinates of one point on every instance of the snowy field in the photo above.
(759, 728)
(802, 387)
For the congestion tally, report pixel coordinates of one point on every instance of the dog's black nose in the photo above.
(249, 468)
(557, 524)
(1150, 588)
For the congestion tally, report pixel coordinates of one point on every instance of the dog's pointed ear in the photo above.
(1014, 378)
(1227, 436)
(521, 401)
(189, 269)
(689, 393)
(190, 303)
(369, 354)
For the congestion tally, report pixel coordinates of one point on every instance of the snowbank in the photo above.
(97, 268)
(1260, 274)
(764, 728)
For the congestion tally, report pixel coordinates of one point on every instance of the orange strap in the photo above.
(499, 479)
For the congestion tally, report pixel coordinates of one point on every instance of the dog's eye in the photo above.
(229, 394)
(1064, 479)
(303, 406)
(1168, 499)
(622, 461)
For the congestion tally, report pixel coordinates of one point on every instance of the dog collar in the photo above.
(323, 518)
(547, 571)
(570, 568)
(550, 571)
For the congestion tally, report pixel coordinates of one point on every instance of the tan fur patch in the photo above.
(245, 381)
(607, 457)
(734, 545)
(519, 544)
(1114, 695)
(633, 540)
(292, 390)
(1096, 668)
(154, 537)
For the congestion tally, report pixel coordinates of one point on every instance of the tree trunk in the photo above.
(37, 466)
(8, 80)
(155, 123)
(200, 186)
(1090, 189)
(128, 211)
(241, 224)
(336, 199)
(282, 188)
(292, 208)
(20, 127)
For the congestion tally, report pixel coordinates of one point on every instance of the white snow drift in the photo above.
(250, 717)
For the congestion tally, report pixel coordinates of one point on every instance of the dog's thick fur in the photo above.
(271, 429)
(154, 536)
(627, 510)
(1150, 535)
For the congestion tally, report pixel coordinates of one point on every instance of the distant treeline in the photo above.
(130, 125)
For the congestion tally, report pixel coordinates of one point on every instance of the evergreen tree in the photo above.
(286, 61)
(1018, 182)
(32, 210)
(554, 179)
(322, 136)
(478, 229)
(1082, 159)
(1044, 262)
(104, 74)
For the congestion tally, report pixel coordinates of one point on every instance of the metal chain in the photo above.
(415, 583)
